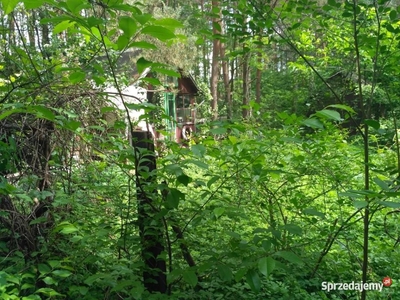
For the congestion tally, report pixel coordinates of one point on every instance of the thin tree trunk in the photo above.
(259, 70)
(225, 73)
(246, 86)
(215, 63)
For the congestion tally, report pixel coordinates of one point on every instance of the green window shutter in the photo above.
(170, 110)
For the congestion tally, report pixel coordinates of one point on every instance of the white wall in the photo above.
(131, 94)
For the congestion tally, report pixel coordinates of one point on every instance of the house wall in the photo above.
(131, 95)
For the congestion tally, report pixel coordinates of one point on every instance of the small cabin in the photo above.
(180, 106)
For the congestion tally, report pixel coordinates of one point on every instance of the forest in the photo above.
(223, 149)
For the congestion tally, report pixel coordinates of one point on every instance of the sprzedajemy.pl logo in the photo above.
(352, 286)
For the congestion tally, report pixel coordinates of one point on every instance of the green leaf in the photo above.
(167, 72)
(173, 197)
(169, 22)
(198, 150)
(218, 130)
(218, 211)
(128, 26)
(212, 181)
(313, 123)
(32, 4)
(72, 125)
(198, 163)
(122, 42)
(266, 265)
(393, 15)
(184, 179)
(91, 279)
(190, 277)
(293, 229)
(290, 257)
(60, 27)
(48, 280)
(253, 280)
(77, 77)
(9, 5)
(38, 220)
(342, 106)
(329, 114)
(382, 184)
(48, 292)
(224, 272)
(360, 204)
(44, 269)
(239, 274)
(159, 32)
(75, 6)
(372, 123)
(42, 112)
(62, 273)
(142, 64)
(143, 45)
(314, 212)
(390, 204)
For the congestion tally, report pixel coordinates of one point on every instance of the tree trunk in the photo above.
(150, 226)
(225, 73)
(215, 62)
(246, 86)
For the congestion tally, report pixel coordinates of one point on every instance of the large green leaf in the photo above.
(390, 204)
(169, 23)
(224, 272)
(173, 198)
(32, 4)
(313, 123)
(342, 106)
(266, 265)
(60, 27)
(128, 26)
(372, 123)
(142, 64)
(9, 5)
(190, 277)
(159, 32)
(329, 114)
(253, 280)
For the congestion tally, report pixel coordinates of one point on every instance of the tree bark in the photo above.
(225, 74)
(215, 62)
(246, 86)
(150, 226)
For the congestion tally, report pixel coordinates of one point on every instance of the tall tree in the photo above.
(215, 65)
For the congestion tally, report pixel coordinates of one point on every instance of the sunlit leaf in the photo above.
(329, 114)
(159, 32)
(9, 5)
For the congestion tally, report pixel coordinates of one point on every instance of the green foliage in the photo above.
(246, 210)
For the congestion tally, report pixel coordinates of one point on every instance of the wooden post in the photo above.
(150, 226)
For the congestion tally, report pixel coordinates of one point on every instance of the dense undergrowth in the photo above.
(264, 213)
